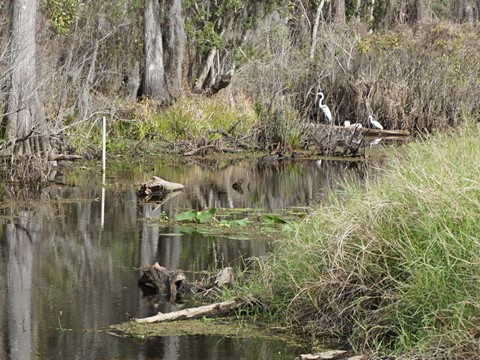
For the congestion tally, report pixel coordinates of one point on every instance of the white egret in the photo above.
(374, 142)
(347, 124)
(326, 111)
(375, 124)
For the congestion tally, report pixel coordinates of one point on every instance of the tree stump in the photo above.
(172, 283)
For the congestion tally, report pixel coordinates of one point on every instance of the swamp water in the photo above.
(69, 261)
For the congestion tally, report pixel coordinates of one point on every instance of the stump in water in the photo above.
(224, 277)
(157, 187)
(172, 283)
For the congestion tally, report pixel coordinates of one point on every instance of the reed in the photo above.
(394, 267)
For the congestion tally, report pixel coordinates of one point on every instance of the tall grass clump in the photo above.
(188, 119)
(394, 267)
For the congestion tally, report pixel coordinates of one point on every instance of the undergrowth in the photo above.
(395, 266)
(187, 120)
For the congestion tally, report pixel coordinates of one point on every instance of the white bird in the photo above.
(324, 108)
(347, 124)
(374, 142)
(375, 124)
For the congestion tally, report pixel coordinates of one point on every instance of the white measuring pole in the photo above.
(104, 164)
(104, 147)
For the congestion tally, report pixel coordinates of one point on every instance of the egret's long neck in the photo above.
(320, 101)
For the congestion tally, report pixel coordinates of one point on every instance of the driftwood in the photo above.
(172, 283)
(216, 309)
(331, 355)
(158, 186)
(384, 133)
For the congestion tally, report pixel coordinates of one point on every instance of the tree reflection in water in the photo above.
(66, 276)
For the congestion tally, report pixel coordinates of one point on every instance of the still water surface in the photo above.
(69, 264)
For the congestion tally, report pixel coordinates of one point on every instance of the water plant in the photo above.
(196, 216)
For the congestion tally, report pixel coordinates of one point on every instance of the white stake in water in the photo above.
(104, 163)
(104, 147)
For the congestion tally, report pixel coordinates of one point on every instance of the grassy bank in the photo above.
(395, 268)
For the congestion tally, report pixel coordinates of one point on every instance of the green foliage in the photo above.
(273, 219)
(194, 117)
(235, 222)
(61, 14)
(206, 37)
(393, 267)
(197, 216)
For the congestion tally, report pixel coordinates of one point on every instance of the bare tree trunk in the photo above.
(154, 81)
(315, 28)
(25, 113)
(339, 11)
(175, 46)
(422, 9)
(198, 88)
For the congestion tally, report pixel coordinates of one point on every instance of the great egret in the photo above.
(375, 124)
(324, 108)
(347, 124)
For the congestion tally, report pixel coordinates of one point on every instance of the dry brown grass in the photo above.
(418, 79)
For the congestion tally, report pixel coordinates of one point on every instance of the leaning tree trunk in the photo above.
(25, 120)
(154, 81)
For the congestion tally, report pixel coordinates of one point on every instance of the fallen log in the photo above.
(158, 186)
(326, 355)
(376, 132)
(331, 355)
(216, 309)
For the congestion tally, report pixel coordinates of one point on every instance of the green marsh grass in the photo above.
(188, 119)
(393, 267)
(195, 117)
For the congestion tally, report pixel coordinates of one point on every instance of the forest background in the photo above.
(150, 67)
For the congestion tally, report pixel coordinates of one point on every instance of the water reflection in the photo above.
(70, 265)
